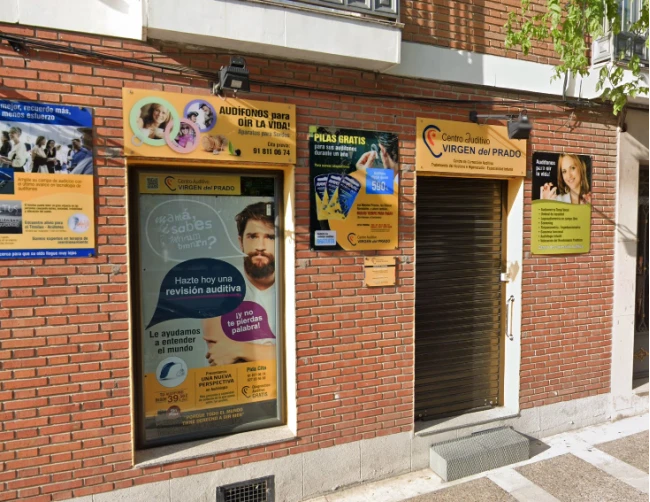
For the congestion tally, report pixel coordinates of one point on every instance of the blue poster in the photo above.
(47, 201)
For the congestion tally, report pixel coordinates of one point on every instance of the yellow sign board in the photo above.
(561, 207)
(205, 389)
(185, 126)
(48, 216)
(191, 184)
(468, 150)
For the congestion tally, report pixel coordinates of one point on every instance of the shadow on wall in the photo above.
(119, 5)
(625, 233)
(447, 25)
(454, 66)
(451, 24)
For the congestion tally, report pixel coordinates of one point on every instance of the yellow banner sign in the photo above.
(204, 389)
(173, 125)
(48, 216)
(468, 150)
(192, 184)
(561, 208)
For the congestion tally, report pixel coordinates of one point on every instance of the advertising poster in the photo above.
(354, 183)
(47, 204)
(561, 203)
(209, 304)
(465, 149)
(185, 126)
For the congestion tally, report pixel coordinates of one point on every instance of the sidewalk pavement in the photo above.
(602, 463)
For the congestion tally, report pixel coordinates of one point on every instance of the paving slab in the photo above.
(632, 450)
(609, 431)
(480, 489)
(622, 471)
(591, 476)
(571, 479)
(396, 489)
(520, 487)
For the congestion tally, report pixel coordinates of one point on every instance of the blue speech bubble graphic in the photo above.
(199, 289)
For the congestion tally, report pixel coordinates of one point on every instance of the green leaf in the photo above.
(231, 148)
(570, 25)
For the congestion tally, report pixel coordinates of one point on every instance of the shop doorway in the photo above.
(641, 350)
(459, 295)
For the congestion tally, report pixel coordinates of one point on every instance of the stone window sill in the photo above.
(214, 446)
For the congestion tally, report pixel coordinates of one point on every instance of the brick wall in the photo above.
(469, 25)
(65, 417)
(568, 300)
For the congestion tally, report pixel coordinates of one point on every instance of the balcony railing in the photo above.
(629, 44)
(620, 47)
(388, 9)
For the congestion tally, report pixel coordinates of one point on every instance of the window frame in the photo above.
(134, 259)
(372, 8)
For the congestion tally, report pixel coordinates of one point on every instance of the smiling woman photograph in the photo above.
(572, 182)
(153, 121)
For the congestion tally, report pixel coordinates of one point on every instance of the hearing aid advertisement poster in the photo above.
(466, 149)
(185, 126)
(354, 183)
(47, 203)
(209, 323)
(561, 203)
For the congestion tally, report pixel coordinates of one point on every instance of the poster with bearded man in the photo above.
(209, 304)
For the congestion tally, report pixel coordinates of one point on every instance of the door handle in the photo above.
(509, 305)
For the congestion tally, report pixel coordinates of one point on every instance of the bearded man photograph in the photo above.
(256, 235)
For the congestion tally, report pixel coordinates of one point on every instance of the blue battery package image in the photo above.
(332, 208)
(348, 191)
(320, 185)
(320, 192)
(333, 181)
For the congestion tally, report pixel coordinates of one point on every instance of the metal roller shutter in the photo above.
(458, 295)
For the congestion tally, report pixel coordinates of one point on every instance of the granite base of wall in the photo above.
(307, 475)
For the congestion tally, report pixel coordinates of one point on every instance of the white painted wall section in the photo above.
(281, 32)
(9, 11)
(471, 68)
(450, 65)
(632, 150)
(114, 18)
(514, 266)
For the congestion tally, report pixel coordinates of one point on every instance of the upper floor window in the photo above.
(384, 8)
(629, 11)
(625, 44)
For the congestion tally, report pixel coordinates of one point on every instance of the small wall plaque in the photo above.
(380, 271)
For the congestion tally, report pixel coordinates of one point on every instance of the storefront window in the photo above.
(209, 339)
